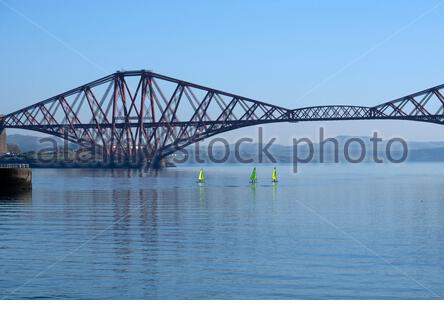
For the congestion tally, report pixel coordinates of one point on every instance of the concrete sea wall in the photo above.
(15, 179)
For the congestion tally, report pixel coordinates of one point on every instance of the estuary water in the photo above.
(361, 231)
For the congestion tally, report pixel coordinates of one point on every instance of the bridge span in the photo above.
(142, 115)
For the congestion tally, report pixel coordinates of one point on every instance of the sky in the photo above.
(288, 53)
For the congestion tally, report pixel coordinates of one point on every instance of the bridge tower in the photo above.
(3, 143)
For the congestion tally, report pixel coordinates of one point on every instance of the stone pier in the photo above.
(14, 177)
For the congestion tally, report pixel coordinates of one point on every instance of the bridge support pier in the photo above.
(3, 143)
(156, 162)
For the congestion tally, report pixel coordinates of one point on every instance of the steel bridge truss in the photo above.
(141, 115)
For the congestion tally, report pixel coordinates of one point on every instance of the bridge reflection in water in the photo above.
(144, 116)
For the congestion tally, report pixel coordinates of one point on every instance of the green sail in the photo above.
(274, 176)
(253, 177)
(201, 176)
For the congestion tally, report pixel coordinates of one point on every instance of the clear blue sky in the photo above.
(290, 53)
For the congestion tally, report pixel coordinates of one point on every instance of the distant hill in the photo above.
(417, 151)
(28, 143)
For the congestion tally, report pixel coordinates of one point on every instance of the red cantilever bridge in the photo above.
(143, 115)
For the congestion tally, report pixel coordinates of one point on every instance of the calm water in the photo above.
(331, 231)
